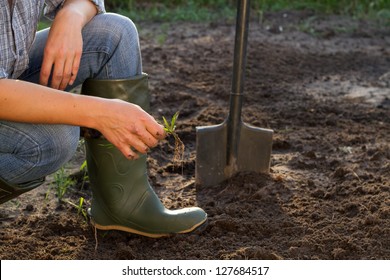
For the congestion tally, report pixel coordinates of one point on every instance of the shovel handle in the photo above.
(241, 39)
(234, 118)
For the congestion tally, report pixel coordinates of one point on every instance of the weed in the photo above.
(170, 128)
(83, 168)
(61, 183)
(79, 207)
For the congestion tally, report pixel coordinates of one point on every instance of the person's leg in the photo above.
(110, 51)
(29, 152)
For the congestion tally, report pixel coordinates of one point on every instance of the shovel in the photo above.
(233, 146)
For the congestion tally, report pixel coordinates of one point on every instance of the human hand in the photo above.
(63, 51)
(128, 127)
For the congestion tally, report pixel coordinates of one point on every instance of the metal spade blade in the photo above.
(233, 146)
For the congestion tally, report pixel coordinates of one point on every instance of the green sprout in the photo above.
(170, 128)
(79, 207)
(84, 169)
(61, 184)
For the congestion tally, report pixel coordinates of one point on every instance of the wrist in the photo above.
(72, 16)
(79, 12)
(92, 116)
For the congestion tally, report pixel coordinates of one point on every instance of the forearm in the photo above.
(26, 102)
(123, 124)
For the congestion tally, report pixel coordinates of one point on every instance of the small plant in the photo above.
(83, 168)
(170, 128)
(61, 183)
(79, 207)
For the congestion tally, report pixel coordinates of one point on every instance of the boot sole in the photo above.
(200, 225)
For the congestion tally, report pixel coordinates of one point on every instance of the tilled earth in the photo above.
(321, 83)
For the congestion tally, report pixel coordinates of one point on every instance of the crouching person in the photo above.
(40, 120)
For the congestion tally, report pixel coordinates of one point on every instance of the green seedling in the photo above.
(61, 183)
(84, 168)
(79, 207)
(170, 128)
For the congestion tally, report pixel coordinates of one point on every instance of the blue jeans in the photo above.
(110, 51)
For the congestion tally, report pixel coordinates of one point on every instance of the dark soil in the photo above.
(321, 83)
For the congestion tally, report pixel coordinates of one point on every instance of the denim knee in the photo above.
(111, 49)
(61, 145)
(121, 27)
(30, 151)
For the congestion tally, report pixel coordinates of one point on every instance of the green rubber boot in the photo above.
(10, 191)
(122, 196)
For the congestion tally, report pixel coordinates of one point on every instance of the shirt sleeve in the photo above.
(53, 6)
(3, 73)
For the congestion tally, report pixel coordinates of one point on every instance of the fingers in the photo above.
(157, 132)
(63, 70)
(61, 81)
(58, 74)
(75, 68)
(133, 148)
(140, 141)
(155, 129)
(47, 65)
(128, 127)
(129, 153)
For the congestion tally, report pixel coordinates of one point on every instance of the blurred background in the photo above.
(225, 10)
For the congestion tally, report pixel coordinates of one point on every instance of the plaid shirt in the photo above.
(18, 26)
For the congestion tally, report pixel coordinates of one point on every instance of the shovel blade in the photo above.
(211, 147)
(253, 153)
